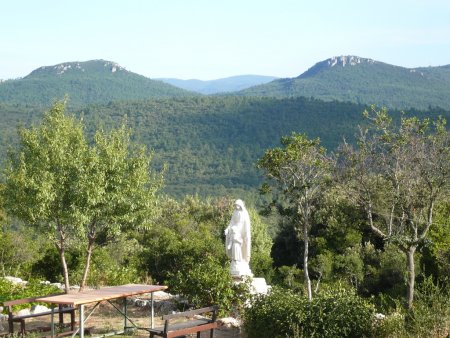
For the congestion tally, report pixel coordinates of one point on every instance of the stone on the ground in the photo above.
(23, 312)
(229, 322)
(15, 280)
(39, 309)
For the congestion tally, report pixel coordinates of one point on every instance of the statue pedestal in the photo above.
(257, 286)
(240, 269)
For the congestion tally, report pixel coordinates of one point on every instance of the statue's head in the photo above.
(239, 204)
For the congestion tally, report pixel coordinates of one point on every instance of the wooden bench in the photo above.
(192, 325)
(61, 310)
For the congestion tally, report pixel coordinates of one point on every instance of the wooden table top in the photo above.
(106, 293)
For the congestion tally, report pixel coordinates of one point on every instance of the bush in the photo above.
(208, 283)
(49, 265)
(430, 315)
(279, 314)
(18, 251)
(113, 264)
(336, 312)
(34, 288)
(392, 325)
(339, 312)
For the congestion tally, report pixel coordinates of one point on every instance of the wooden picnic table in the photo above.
(80, 299)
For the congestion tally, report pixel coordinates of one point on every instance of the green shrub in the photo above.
(14, 261)
(430, 315)
(279, 314)
(49, 266)
(208, 283)
(392, 325)
(339, 312)
(336, 312)
(34, 288)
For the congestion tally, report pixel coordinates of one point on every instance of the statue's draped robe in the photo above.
(238, 241)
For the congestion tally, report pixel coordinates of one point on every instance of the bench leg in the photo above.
(211, 335)
(22, 327)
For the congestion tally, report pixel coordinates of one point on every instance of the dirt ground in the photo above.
(106, 319)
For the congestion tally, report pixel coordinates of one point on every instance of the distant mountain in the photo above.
(228, 84)
(96, 81)
(365, 81)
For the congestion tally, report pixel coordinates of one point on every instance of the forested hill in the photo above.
(96, 81)
(365, 81)
(211, 144)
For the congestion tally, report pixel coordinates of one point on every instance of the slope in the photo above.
(365, 81)
(96, 81)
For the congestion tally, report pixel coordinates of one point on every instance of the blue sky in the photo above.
(208, 39)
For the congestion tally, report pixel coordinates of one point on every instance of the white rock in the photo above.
(379, 316)
(39, 309)
(23, 312)
(162, 295)
(141, 303)
(15, 280)
(229, 322)
(58, 285)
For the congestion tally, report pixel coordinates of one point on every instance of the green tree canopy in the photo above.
(299, 170)
(398, 174)
(73, 190)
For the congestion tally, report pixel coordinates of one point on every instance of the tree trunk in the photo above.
(411, 275)
(305, 261)
(65, 271)
(61, 247)
(88, 263)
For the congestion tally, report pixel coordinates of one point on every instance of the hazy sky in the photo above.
(209, 39)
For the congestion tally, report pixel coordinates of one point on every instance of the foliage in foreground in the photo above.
(10, 291)
(337, 312)
(340, 312)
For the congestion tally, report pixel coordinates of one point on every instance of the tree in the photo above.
(117, 188)
(300, 170)
(55, 180)
(397, 174)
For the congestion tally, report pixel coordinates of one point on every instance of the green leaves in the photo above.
(75, 190)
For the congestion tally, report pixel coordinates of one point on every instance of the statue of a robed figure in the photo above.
(238, 241)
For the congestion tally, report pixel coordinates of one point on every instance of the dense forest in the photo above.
(211, 144)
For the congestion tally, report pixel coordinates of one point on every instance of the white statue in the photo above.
(238, 241)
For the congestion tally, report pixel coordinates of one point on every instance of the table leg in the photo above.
(81, 310)
(125, 317)
(52, 325)
(152, 312)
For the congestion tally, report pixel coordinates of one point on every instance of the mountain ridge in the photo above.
(87, 82)
(345, 78)
(365, 81)
(66, 67)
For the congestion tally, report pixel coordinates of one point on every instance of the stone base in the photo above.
(240, 269)
(260, 286)
(257, 286)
